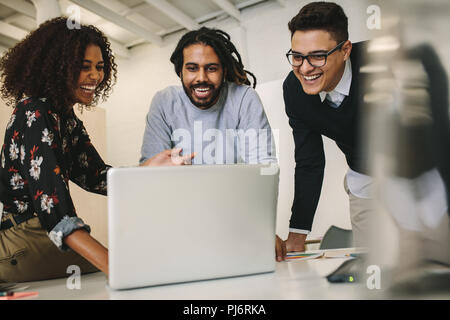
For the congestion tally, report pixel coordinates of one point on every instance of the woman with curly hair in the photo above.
(46, 145)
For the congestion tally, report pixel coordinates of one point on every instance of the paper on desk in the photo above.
(344, 254)
(296, 256)
(336, 254)
(11, 286)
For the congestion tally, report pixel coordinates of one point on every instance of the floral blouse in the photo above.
(43, 150)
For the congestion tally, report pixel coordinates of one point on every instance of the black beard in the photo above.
(207, 104)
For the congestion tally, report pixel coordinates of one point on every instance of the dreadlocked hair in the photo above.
(224, 48)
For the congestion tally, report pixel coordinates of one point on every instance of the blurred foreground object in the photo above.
(407, 135)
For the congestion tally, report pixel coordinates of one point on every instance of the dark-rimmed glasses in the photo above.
(314, 59)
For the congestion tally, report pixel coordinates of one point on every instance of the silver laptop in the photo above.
(178, 224)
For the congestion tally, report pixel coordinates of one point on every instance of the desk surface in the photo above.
(299, 280)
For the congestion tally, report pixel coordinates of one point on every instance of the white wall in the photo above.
(262, 39)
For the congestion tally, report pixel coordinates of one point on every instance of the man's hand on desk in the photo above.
(169, 158)
(280, 249)
(295, 242)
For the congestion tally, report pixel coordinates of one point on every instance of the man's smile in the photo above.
(312, 77)
(202, 92)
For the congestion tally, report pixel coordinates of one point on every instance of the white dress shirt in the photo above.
(338, 94)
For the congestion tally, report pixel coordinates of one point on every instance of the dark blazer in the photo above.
(310, 119)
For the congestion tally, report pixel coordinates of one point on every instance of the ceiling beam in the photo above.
(46, 10)
(21, 6)
(175, 14)
(18, 34)
(229, 8)
(113, 17)
(205, 18)
(282, 3)
(136, 9)
(119, 49)
(19, 16)
(248, 3)
(29, 10)
(11, 31)
(130, 13)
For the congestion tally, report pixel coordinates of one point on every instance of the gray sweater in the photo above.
(234, 130)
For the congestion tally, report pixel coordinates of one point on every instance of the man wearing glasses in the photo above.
(321, 98)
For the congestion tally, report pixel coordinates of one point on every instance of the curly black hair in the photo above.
(224, 48)
(48, 62)
(321, 15)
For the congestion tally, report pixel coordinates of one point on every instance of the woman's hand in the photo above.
(169, 158)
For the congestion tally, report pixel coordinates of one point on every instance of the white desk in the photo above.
(299, 280)
(291, 280)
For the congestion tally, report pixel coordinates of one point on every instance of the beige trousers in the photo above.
(27, 254)
(361, 211)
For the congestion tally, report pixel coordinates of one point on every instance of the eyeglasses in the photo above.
(315, 59)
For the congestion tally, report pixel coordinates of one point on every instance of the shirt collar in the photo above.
(343, 87)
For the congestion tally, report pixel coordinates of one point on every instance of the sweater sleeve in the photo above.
(309, 168)
(257, 143)
(157, 135)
